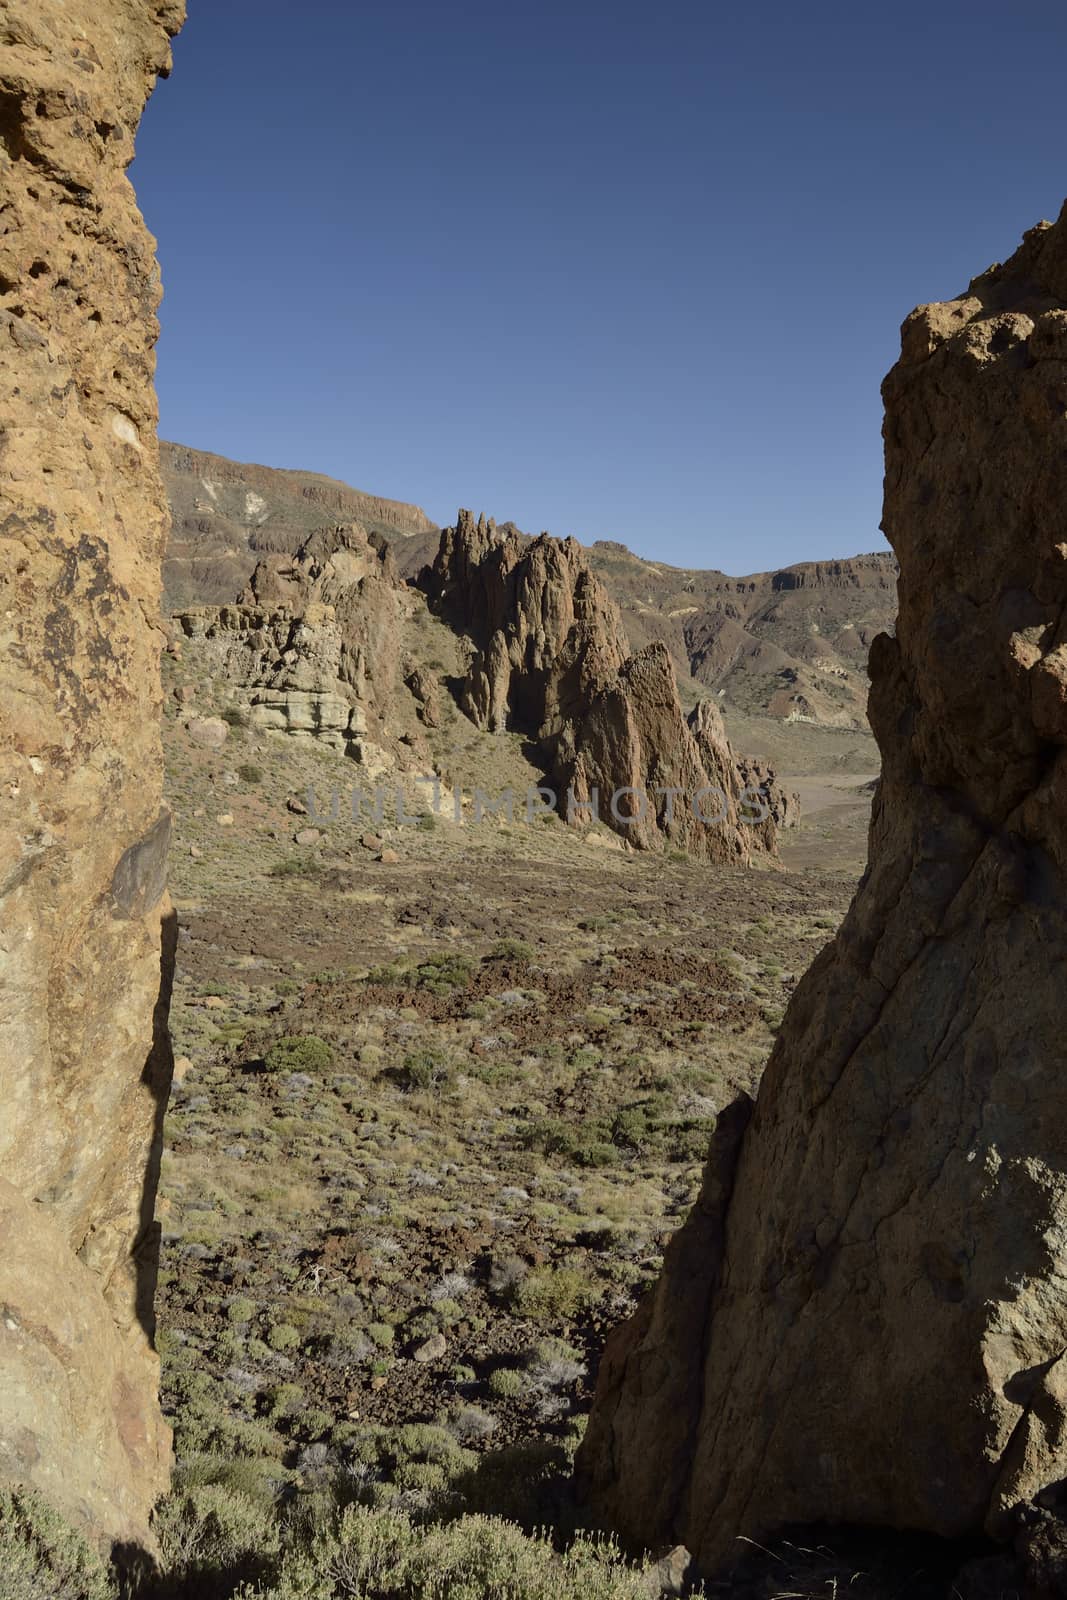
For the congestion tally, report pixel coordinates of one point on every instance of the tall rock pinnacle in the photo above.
(864, 1319)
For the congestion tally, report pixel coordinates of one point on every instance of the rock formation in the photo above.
(864, 1319)
(312, 649)
(550, 658)
(84, 925)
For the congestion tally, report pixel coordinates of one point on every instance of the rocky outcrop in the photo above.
(84, 924)
(878, 1330)
(550, 658)
(313, 647)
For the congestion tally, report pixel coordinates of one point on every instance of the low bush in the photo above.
(42, 1557)
(300, 1052)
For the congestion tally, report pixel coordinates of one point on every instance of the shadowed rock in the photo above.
(885, 1318)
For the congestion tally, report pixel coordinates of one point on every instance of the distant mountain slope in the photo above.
(228, 513)
(790, 644)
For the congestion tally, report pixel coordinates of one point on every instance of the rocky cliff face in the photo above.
(550, 658)
(83, 916)
(312, 649)
(863, 1320)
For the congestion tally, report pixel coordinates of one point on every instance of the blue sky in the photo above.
(623, 271)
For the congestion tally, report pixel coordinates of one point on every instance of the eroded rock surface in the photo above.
(551, 659)
(312, 649)
(880, 1329)
(84, 1061)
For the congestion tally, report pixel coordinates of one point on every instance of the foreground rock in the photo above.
(863, 1321)
(82, 836)
(550, 659)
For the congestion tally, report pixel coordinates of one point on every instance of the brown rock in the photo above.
(389, 858)
(552, 659)
(427, 693)
(864, 1320)
(297, 807)
(307, 836)
(84, 1076)
(211, 732)
(372, 841)
(435, 1348)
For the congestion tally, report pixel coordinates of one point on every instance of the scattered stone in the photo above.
(211, 732)
(196, 852)
(215, 1002)
(372, 841)
(389, 858)
(297, 807)
(183, 693)
(182, 1067)
(225, 820)
(435, 1348)
(307, 836)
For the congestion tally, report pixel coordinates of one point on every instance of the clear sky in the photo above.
(617, 270)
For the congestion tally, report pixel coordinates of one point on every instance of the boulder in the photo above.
(864, 1319)
(211, 732)
(86, 931)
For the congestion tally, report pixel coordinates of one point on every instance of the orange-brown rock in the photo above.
(550, 658)
(84, 1062)
(864, 1321)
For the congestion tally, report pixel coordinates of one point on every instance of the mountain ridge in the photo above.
(789, 642)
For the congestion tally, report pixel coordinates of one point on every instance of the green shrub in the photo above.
(283, 1337)
(303, 866)
(425, 1072)
(248, 772)
(42, 1557)
(234, 716)
(547, 1293)
(505, 1383)
(217, 1526)
(299, 1052)
(385, 1554)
